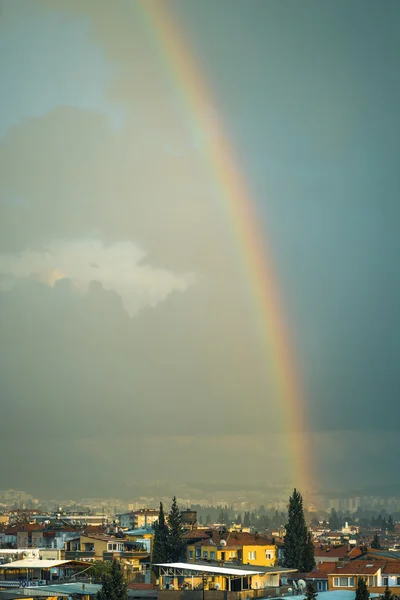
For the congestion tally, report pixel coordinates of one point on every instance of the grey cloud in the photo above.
(189, 380)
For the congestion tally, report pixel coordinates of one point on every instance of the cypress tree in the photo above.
(375, 544)
(311, 592)
(362, 592)
(175, 533)
(160, 552)
(390, 524)
(298, 549)
(113, 584)
(387, 595)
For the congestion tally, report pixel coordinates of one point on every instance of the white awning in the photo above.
(34, 564)
(196, 568)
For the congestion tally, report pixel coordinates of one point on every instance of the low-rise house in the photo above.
(24, 534)
(234, 547)
(11, 536)
(133, 555)
(230, 578)
(318, 576)
(100, 545)
(332, 554)
(32, 570)
(391, 576)
(334, 537)
(345, 576)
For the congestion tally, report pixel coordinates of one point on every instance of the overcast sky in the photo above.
(128, 349)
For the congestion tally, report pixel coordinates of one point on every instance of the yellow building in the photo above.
(234, 547)
(100, 545)
(232, 578)
(133, 555)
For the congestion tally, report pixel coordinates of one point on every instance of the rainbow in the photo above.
(254, 255)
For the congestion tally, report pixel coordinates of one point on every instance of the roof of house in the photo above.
(236, 571)
(392, 568)
(383, 554)
(69, 589)
(336, 551)
(33, 563)
(355, 553)
(322, 568)
(200, 534)
(358, 567)
(320, 571)
(234, 539)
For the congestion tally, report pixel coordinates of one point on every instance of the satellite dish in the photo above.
(223, 543)
(216, 586)
(302, 584)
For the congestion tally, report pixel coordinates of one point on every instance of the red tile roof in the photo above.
(355, 553)
(336, 551)
(323, 567)
(392, 568)
(358, 567)
(199, 534)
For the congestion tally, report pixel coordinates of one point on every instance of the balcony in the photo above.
(127, 555)
(79, 555)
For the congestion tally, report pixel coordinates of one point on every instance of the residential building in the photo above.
(11, 536)
(24, 534)
(391, 576)
(234, 547)
(133, 555)
(318, 576)
(330, 554)
(145, 517)
(345, 576)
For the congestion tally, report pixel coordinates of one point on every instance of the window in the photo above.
(212, 554)
(232, 554)
(268, 555)
(205, 553)
(252, 555)
(385, 581)
(343, 582)
(190, 553)
(398, 581)
(198, 552)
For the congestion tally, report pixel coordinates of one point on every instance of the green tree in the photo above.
(362, 592)
(175, 542)
(387, 595)
(311, 592)
(375, 544)
(113, 584)
(390, 524)
(298, 548)
(98, 569)
(334, 521)
(160, 544)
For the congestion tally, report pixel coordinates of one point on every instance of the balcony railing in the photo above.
(126, 554)
(79, 554)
